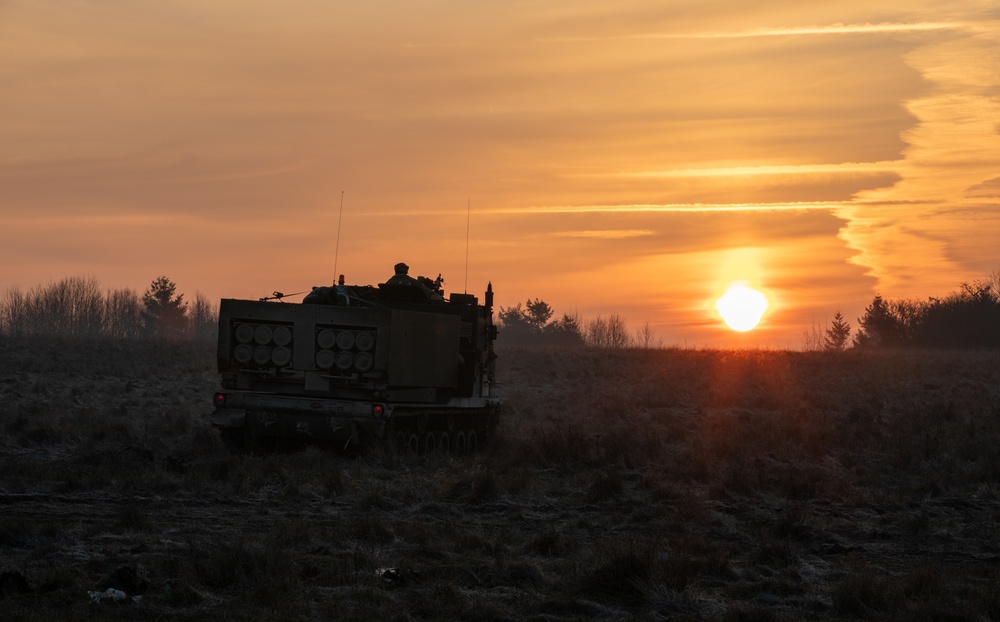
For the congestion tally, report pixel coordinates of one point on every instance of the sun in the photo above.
(741, 306)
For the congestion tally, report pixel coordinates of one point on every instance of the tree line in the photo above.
(533, 324)
(78, 307)
(968, 318)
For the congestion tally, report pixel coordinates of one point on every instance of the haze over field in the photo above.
(628, 158)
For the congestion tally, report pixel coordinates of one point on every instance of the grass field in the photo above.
(643, 485)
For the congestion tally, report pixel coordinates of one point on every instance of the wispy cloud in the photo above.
(250, 173)
(634, 208)
(436, 45)
(673, 207)
(829, 29)
(743, 171)
(95, 221)
(607, 234)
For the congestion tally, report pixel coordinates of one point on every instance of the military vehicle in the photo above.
(399, 364)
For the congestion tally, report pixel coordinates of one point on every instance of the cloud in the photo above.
(989, 189)
(608, 234)
(798, 31)
(157, 181)
(917, 235)
(790, 169)
(679, 208)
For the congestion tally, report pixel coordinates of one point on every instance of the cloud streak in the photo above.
(798, 31)
(747, 171)
(671, 208)
(608, 234)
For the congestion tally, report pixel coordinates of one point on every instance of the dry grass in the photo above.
(680, 484)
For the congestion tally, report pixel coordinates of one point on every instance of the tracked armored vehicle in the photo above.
(399, 364)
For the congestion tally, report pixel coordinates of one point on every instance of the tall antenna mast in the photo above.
(468, 224)
(336, 253)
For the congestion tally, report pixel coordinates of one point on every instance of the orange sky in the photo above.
(630, 157)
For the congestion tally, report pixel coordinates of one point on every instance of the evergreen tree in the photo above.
(564, 332)
(877, 327)
(532, 324)
(515, 325)
(164, 313)
(538, 313)
(889, 323)
(837, 334)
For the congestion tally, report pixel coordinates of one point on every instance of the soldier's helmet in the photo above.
(401, 268)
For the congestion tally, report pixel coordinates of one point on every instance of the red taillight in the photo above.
(219, 399)
(378, 410)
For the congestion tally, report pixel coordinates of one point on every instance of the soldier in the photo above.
(402, 276)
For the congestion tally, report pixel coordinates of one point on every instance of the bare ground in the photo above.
(674, 484)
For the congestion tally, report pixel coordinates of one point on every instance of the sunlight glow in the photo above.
(741, 307)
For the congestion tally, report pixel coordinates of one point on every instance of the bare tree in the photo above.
(84, 306)
(72, 306)
(13, 320)
(203, 318)
(994, 284)
(812, 338)
(39, 312)
(123, 314)
(645, 337)
(608, 333)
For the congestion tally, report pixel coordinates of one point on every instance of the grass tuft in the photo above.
(133, 516)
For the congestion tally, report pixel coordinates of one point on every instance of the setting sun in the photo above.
(741, 307)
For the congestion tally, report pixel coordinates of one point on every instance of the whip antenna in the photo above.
(336, 253)
(468, 221)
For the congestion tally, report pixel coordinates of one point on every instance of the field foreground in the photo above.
(645, 485)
